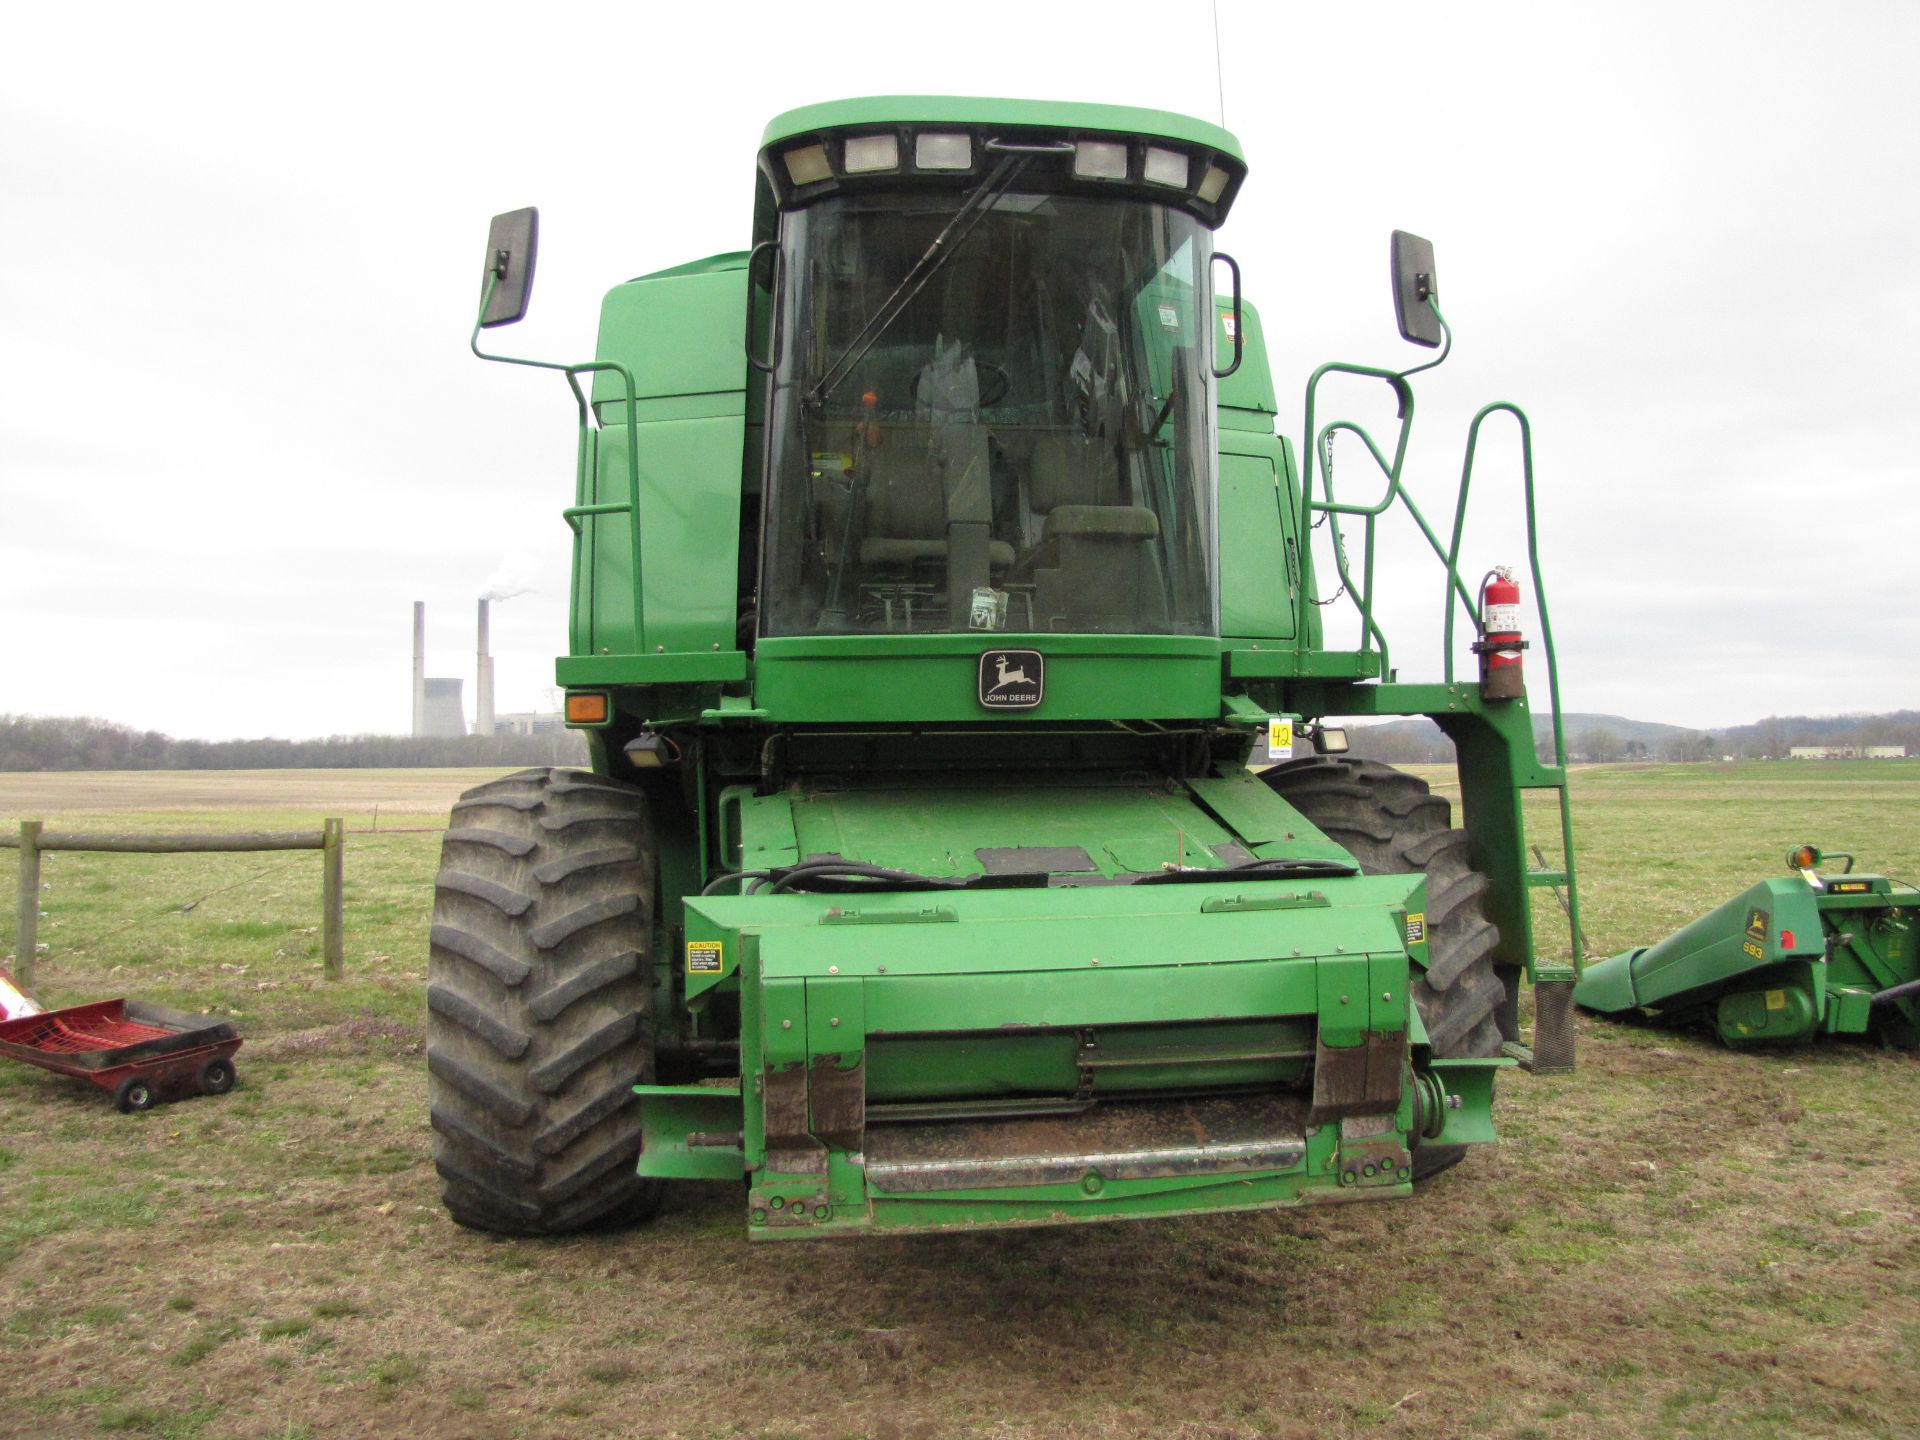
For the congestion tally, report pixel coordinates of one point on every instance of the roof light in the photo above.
(1212, 184)
(807, 164)
(943, 152)
(868, 153)
(1166, 167)
(1804, 857)
(1100, 160)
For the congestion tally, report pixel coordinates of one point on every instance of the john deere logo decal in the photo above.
(1012, 679)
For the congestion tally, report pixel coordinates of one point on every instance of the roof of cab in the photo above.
(974, 110)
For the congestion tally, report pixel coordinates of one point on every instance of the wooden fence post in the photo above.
(333, 899)
(26, 927)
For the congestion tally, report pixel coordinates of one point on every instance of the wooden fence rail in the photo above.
(330, 841)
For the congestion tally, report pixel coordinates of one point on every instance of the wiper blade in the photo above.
(943, 248)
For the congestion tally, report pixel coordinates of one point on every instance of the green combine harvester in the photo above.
(1795, 957)
(966, 842)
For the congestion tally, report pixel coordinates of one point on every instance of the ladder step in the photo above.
(1546, 877)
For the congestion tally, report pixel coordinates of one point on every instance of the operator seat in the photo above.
(1095, 567)
(907, 499)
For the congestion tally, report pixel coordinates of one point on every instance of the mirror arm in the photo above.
(1446, 344)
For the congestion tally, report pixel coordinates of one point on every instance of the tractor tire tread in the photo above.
(1392, 824)
(537, 1024)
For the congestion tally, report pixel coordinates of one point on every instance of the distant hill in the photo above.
(1594, 737)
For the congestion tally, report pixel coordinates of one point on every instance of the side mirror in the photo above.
(512, 241)
(1414, 280)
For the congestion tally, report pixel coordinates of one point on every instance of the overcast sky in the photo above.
(240, 432)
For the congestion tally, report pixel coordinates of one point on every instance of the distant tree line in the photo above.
(65, 742)
(1414, 742)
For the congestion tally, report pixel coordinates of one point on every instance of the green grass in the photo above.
(1675, 1240)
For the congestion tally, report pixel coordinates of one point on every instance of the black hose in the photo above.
(1897, 992)
(1278, 868)
(714, 885)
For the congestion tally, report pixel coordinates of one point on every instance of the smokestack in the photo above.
(419, 667)
(483, 678)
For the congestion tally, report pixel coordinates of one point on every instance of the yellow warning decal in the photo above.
(703, 957)
(1279, 739)
(1776, 999)
(1417, 928)
(1849, 887)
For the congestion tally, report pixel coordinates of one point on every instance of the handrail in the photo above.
(582, 507)
(1533, 555)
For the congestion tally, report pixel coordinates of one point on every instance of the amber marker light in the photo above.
(1805, 857)
(586, 709)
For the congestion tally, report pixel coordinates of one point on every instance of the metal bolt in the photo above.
(1453, 1102)
(1343, 999)
(881, 968)
(1094, 961)
(834, 1023)
(786, 1024)
(1370, 1171)
(1386, 995)
(820, 1212)
(659, 649)
(833, 969)
(779, 1202)
(759, 1217)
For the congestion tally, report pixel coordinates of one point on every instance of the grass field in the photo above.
(1677, 1240)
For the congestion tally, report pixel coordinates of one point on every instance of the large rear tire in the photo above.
(537, 1000)
(1394, 825)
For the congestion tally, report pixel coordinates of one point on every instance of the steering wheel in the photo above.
(994, 382)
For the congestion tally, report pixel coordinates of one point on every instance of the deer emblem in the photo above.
(1007, 677)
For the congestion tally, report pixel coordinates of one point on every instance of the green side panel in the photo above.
(881, 110)
(682, 332)
(1245, 397)
(1259, 576)
(689, 537)
(851, 678)
(680, 335)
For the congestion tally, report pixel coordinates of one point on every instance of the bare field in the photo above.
(1678, 1240)
(353, 794)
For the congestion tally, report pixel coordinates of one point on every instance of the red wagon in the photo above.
(143, 1053)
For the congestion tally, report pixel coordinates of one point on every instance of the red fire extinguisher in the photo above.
(1499, 645)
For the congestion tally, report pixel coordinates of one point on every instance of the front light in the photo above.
(868, 153)
(943, 152)
(1166, 167)
(807, 164)
(1100, 160)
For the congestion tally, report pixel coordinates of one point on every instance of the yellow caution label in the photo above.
(1279, 739)
(703, 957)
(1417, 928)
(1776, 999)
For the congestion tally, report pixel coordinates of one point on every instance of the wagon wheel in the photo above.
(216, 1076)
(135, 1093)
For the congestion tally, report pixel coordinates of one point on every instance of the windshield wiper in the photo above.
(1013, 160)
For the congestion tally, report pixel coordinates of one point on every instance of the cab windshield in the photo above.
(1025, 446)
